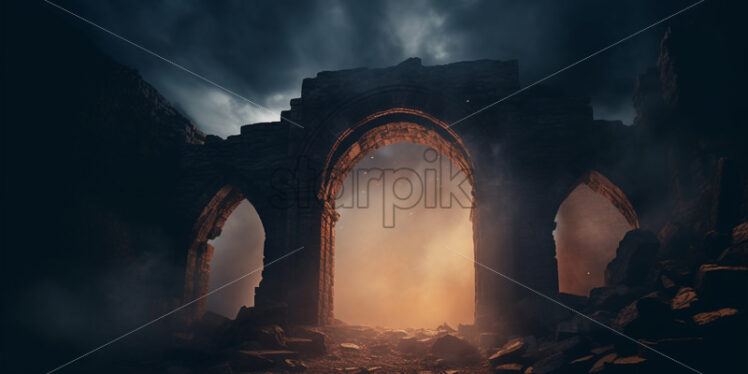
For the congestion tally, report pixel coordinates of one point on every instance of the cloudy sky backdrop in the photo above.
(263, 49)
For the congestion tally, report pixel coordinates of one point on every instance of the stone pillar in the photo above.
(200, 279)
(327, 262)
(494, 254)
(304, 277)
(278, 242)
(513, 240)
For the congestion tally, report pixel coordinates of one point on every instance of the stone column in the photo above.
(514, 241)
(327, 262)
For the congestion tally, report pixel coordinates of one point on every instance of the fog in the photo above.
(238, 251)
(406, 275)
(588, 229)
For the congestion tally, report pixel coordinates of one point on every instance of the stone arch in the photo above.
(207, 226)
(345, 153)
(575, 252)
(371, 133)
(603, 186)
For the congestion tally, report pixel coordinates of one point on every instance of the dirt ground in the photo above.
(360, 349)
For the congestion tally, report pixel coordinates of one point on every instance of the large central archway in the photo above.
(363, 138)
(522, 158)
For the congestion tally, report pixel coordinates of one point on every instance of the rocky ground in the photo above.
(353, 349)
(688, 304)
(675, 295)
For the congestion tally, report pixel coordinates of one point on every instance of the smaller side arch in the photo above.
(207, 226)
(587, 231)
(603, 186)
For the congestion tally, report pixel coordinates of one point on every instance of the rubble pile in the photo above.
(654, 303)
(692, 311)
(257, 340)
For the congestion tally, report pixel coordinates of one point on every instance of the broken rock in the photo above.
(582, 364)
(635, 257)
(316, 346)
(272, 337)
(243, 360)
(271, 314)
(549, 364)
(350, 347)
(723, 286)
(611, 298)
(736, 255)
(740, 233)
(395, 334)
(413, 346)
(511, 351)
(508, 369)
(600, 365)
(445, 327)
(675, 270)
(293, 365)
(631, 364)
(649, 316)
(715, 318)
(677, 347)
(455, 350)
(684, 301)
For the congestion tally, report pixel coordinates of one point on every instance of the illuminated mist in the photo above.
(405, 276)
(588, 229)
(238, 251)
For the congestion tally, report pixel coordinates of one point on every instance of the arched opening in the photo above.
(241, 249)
(237, 252)
(395, 267)
(590, 223)
(363, 140)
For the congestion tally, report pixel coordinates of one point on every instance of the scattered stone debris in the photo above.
(685, 300)
(510, 352)
(600, 364)
(445, 327)
(509, 369)
(413, 345)
(350, 347)
(634, 257)
(715, 317)
(582, 364)
(686, 311)
(455, 350)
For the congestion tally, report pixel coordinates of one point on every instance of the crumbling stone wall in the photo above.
(522, 157)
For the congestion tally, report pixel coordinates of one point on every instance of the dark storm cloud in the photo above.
(263, 49)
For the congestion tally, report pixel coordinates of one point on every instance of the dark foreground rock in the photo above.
(510, 352)
(455, 350)
(635, 256)
(245, 360)
(723, 286)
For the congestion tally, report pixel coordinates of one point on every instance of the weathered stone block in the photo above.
(634, 259)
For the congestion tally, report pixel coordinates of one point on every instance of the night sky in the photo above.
(263, 49)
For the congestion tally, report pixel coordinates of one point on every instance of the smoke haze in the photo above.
(588, 230)
(238, 251)
(407, 275)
